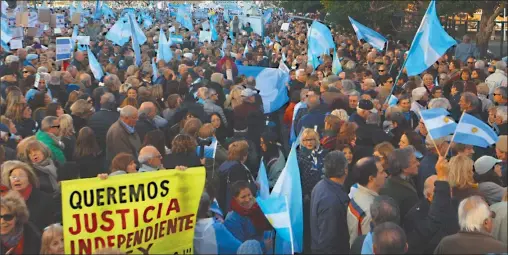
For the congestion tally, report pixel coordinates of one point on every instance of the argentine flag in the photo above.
(437, 122)
(372, 37)
(264, 186)
(95, 66)
(336, 66)
(163, 49)
(320, 41)
(276, 210)
(430, 43)
(246, 50)
(135, 43)
(473, 131)
(155, 71)
(271, 84)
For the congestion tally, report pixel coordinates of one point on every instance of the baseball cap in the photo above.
(502, 143)
(366, 105)
(248, 92)
(31, 56)
(483, 164)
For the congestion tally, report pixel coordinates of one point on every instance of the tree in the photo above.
(300, 6)
(490, 10)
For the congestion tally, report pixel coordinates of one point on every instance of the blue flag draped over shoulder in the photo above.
(271, 83)
(372, 37)
(430, 43)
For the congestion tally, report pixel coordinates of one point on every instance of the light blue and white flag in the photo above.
(176, 39)
(95, 66)
(246, 50)
(336, 66)
(320, 41)
(437, 122)
(393, 100)
(289, 186)
(135, 44)
(184, 18)
(213, 31)
(430, 43)
(276, 211)
(74, 36)
(121, 31)
(267, 16)
(271, 83)
(473, 131)
(283, 57)
(264, 186)
(163, 49)
(155, 71)
(267, 41)
(208, 150)
(372, 37)
(107, 11)
(98, 9)
(226, 15)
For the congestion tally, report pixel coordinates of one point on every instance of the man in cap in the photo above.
(362, 112)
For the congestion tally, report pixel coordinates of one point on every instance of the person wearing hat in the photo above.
(420, 98)
(362, 112)
(502, 154)
(488, 176)
(248, 116)
(31, 60)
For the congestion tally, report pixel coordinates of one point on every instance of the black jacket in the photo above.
(370, 135)
(91, 165)
(427, 223)
(402, 191)
(172, 160)
(42, 208)
(78, 123)
(220, 93)
(26, 127)
(100, 122)
(31, 240)
(69, 143)
(143, 126)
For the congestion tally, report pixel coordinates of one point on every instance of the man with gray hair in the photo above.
(501, 96)
(150, 159)
(122, 135)
(440, 103)
(499, 123)
(389, 238)
(210, 105)
(86, 83)
(147, 112)
(403, 166)
(103, 119)
(470, 103)
(328, 206)
(474, 237)
(498, 78)
(50, 127)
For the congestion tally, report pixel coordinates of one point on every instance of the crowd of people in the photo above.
(373, 179)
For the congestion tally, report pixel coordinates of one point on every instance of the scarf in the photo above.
(26, 192)
(255, 215)
(13, 239)
(48, 167)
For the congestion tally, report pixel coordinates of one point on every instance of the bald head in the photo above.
(147, 109)
(149, 155)
(428, 187)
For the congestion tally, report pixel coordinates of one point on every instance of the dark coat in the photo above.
(315, 117)
(78, 123)
(427, 223)
(172, 160)
(470, 243)
(100, 122)
(370, 135)
(425, 170)
(42, 208)
(229, 173)
(44, 178)
(69, 143)
(91, 165)
(357, 119)
(31, 240)
(328, 219)
(26, 127)
(403, 192)
(143, 126)
(119, 140)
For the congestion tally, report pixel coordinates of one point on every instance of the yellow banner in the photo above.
(141, 213)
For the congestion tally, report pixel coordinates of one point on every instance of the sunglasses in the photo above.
(470, 62)
(24, 71)
(381, 70)
(56, 126)
(7, 217)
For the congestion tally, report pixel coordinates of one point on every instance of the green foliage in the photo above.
(301, 6)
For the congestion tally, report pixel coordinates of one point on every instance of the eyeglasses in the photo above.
(470, 62)
(56, 126)
(390, 81)
(497, 94)
(309, 140)
(381, 70)
(12, 177)
(7, 217)
(24, 71)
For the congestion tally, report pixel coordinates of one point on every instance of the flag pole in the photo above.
(397, 79)
(433, 141)
(450, 145)
(290, 227)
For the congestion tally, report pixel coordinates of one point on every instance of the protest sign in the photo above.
(83, 39)
(22, 19)
(16, 44)
(256, 23)
(284, 27)
(11, 20)
(63, 48)
(149, 213)
(205, 36)
(205, 25)
(33, 19)
(44, 15)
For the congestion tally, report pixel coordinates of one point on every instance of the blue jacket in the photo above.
(328, 218)
(425, 170)
(214, 238)
(242, 228)
(315, 117)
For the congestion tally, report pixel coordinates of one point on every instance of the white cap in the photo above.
(484, 164)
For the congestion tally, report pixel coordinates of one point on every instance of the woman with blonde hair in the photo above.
(20, 177)
(310, 161)
(67, 135)
(14, 97)
(52, 240)
(461, 177)
(81, 110)
(73, 97)
(234, 99)
(129, 101)
(18, 236)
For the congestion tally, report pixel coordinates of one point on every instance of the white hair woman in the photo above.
(17, 236)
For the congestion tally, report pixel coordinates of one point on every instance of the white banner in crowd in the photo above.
(16, 44)
(284, 27)
(83, 39)
(33, 19)
(256, 23)
(205, 36)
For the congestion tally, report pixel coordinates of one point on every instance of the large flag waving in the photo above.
(135, 44)
(336, 66)
(262, 179)
(95, 66)
(372, 37)
(163, 50)
(473, 131)
(430, 43)
(320, 41)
